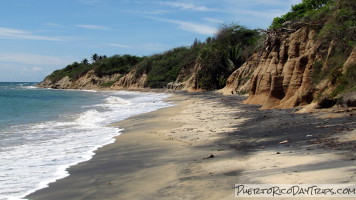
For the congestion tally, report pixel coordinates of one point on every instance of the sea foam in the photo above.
(41, 152)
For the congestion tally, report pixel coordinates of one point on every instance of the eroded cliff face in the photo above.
(132, 80)
(240, 80)
(280, 76)
(283, 77)
(187, 79)
(88, 81)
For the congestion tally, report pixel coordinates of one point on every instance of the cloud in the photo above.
(92, 27)
(153, 47)
(296, 2)
(267, 14)
(10, 33)
(55, 25)
(32, 59)
(212, 20)
(157, 12)
(196, 28)
(260, 2)
(116, 45)
(93, 2)
(190, 26)
(184, 6)
(31, 70)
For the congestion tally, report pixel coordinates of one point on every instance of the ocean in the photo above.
(45, 131)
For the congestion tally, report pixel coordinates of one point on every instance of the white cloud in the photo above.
(196, 28)
(116, 45)
(32, 59)
(260, 2)
(157, 12)
(190, 26)
(92, 27)
(185, 6)
(267, 14)
(152, 47)
(93, 2)
(213, 20)
(32, 69)
(10, 33)
(55, 25)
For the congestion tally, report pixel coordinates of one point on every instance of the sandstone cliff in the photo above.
(281, 75)
(132, 80)
(187, 79)
(88, 81)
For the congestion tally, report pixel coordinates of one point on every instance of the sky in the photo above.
(40, 36)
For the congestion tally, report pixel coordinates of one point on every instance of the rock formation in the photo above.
(132, 80)
(280, 76)
(88, 81)
(187, 79)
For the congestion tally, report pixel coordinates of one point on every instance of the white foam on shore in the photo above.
(42, 152)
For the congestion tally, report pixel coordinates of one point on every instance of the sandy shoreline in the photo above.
(204, 145)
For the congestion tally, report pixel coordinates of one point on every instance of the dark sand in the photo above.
(166, 154)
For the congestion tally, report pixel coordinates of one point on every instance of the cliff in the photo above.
(132, 80)
(187, 79)
(307, 56)
(87, 81)
(282, 74)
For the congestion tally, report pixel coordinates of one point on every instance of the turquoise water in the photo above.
(45, 131)
(24, 103)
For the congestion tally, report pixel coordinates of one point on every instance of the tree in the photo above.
(85, 61)
(94, 57)
(224, 53)
(196, 43)
(315, 4)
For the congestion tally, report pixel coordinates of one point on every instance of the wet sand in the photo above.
(207, 143)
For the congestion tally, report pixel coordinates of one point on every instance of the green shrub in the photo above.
(73, 71)
(164, 68)
(229, 49)
(115, 64)
(299, 11)
(332, 72)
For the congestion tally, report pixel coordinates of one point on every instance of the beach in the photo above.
(205, 144)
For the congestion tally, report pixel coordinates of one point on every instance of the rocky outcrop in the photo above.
(280, 75)
(240, 80)
(88, 81)
(132, 80)
(187, 79)
(348, 100)
(283, 78)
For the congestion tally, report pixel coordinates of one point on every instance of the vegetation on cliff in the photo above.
(164, 68)
(226, 52)
(334, 22)
(102, 66)
(220, 56)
